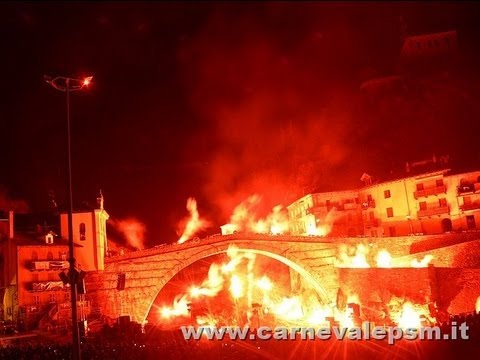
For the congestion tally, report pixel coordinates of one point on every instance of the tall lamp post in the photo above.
(67, 85)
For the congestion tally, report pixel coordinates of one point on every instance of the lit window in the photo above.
(390, 212)
(82, 232)
(387, 194)
(419, 187)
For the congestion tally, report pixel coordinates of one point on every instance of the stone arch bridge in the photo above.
(147, 271)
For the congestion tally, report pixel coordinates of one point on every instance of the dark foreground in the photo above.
(170, 345)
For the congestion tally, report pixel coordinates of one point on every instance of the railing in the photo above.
(439, 210)
(351, 206)
(68, 305)
(431, 191)
(471, 206)
(371, 223)
(48, 286)
(49, 265)
(368, 204)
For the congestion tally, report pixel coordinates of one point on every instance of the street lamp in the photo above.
(67, 85)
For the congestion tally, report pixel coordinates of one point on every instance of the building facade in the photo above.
(428, 203)
(32, 263)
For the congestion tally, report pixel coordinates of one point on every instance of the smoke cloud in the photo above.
(7, 203)
(273, 128)
(132, 230)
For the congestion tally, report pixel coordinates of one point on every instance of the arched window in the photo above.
(82, 231)
(49, 255)
(34, 256)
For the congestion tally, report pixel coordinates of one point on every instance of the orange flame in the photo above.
(244, 219)
(409, 318)
(236, 286)
(324, 227)
(358, 260)
(384, 259)
(179, 308)
(194, 223)
(422, 263)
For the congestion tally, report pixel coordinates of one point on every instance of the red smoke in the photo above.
(276, 130)
(7, 203)
(132, 230)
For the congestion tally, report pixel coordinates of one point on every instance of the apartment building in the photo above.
(429, 203)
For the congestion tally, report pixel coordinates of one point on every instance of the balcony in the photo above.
(49, 265)
(351, 206)
(471, 206)
(431, 191)
(368, 204)
(439, 210)
(468, 189)
(48, 286)
(371, 223)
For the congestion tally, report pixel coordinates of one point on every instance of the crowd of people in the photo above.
(117, 343)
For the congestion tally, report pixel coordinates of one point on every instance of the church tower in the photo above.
(89, 236)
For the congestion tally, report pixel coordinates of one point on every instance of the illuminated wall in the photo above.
(431, 203)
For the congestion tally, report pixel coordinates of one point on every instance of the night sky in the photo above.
(223, 100)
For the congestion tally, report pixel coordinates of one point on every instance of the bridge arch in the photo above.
(269, 249)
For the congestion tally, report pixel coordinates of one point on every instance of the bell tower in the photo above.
(89, 236)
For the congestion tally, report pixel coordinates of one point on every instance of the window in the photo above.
(420, 187)
(35, 277)
(34, 256)
(53, 298)
(82, 232)
(387, 194)
(439, 182)
(63, 256)
(66, 296)
(423, 205)
(390, 212)
(49, 255)
(36, 299)
(467, 200)
(442, 202)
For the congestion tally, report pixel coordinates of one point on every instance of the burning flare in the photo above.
(422, 263)
(194, 222)
(244, 219)
(358, 260)
(384, 259)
